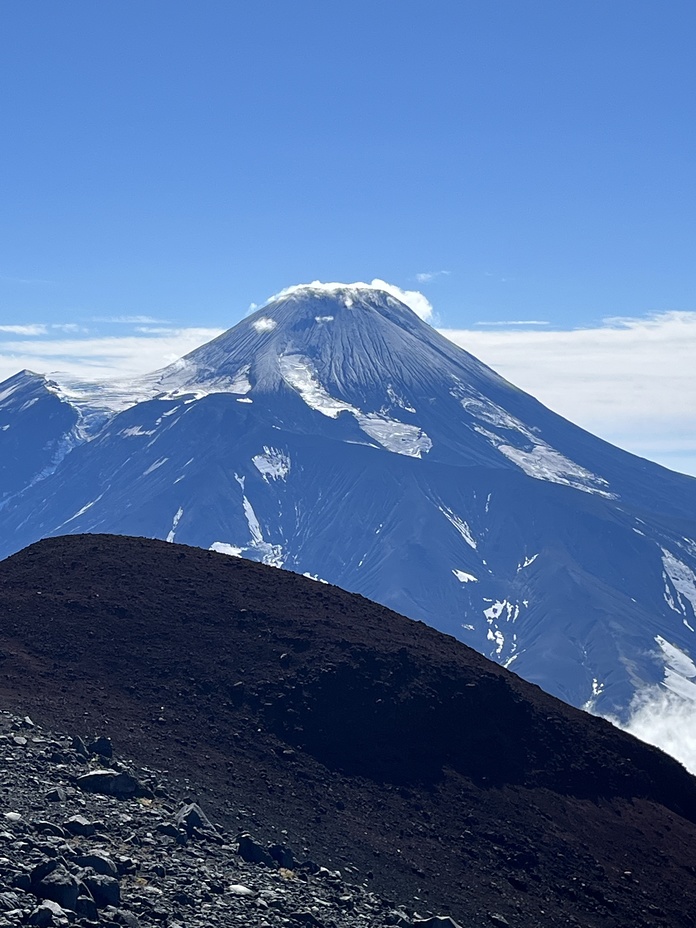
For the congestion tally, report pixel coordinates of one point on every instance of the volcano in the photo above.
(336, 434)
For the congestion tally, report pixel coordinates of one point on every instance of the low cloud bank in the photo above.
(628, 380)
(96, 357)
(665, 720)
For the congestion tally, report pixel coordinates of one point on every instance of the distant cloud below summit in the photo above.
(629, 380)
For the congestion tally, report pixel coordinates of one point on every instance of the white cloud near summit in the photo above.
(414, 299)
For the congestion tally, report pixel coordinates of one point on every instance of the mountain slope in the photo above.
(377, 742)
(37, 430)
(336, 434)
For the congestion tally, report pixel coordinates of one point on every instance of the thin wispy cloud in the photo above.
(509, 322)
(28, 330)
(426, 276)
(25, 280)
(69, 328)
(156, 330)
(130, 320)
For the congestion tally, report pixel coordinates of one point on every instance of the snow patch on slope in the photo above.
(81, 511)
(397, 400)
(314, 577)
(545, 463)
(393, 435)
(240, 382)
(505, 642)
(679, 669)
(464, 577)
(683, 581)
(269, 554)
(175, 522)
(154, 466)
(136, 431)
(538, 459)
(272, 464)
(460, 525)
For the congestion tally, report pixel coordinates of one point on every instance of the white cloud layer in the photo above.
(667, 721)
(29, 330)
(101, 357)
(631, 381)
(129, 320)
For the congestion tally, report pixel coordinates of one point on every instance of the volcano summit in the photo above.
(336, 434)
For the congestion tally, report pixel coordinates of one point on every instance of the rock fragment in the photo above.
(105, 890)
(193, 820)
(80, 825)
(52, 881)
(254, 853)
(118, 783)
(101, 746)
(98, 862)
(435, 921)
(47, 914)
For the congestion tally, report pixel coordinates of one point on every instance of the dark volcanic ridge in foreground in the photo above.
(376, 741)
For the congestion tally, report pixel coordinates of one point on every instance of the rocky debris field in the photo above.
(86, 841)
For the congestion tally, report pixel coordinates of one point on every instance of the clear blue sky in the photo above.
(167, 163)
(181, 160)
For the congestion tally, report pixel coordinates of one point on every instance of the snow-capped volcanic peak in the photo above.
(355, 337)
(359, 355)
(348, 319)
(335, 432)
(349, 349)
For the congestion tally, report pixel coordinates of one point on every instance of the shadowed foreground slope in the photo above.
(373, 740)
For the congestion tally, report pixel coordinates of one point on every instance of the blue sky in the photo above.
(516, 160)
